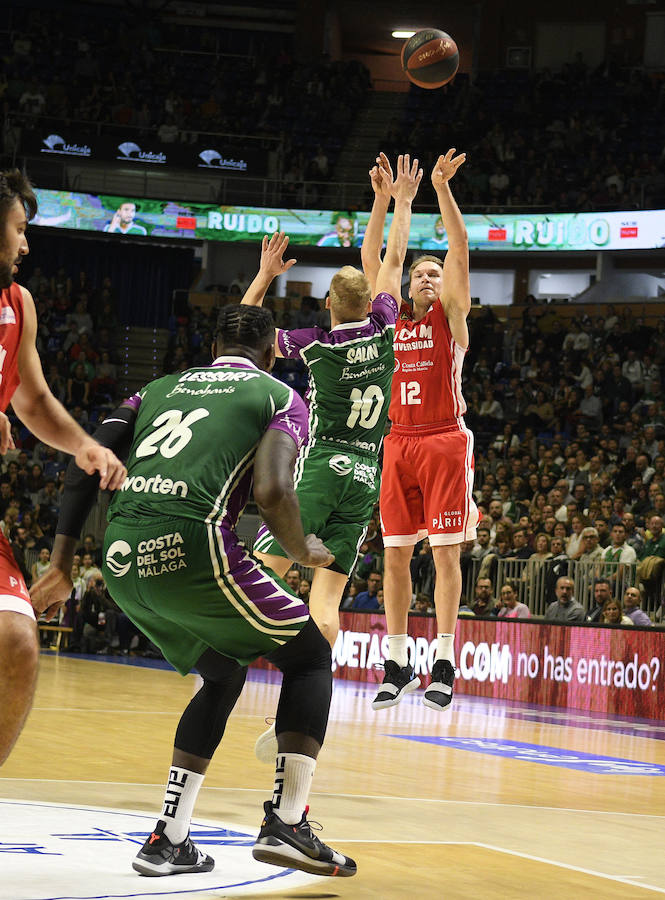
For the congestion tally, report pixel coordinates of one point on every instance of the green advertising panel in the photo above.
(328, 228)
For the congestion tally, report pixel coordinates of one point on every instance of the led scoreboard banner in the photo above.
(136, 217)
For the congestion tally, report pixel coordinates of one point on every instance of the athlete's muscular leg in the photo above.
(19, 656)
(397, 587)
(448, 587)
(324, 599)
(279, 564)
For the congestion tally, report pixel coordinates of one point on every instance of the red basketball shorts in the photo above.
(14, 596)
(426, 487)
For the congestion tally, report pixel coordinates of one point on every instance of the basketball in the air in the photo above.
(430, 58)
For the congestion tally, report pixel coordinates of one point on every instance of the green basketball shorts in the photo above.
(190, 586)
(337, 492)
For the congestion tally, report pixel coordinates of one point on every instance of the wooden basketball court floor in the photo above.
(422, 816)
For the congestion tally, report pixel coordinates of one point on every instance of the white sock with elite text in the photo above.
(293, 780)
(181, 793)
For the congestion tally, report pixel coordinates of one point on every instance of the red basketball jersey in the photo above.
(427, 384)
(11, 329)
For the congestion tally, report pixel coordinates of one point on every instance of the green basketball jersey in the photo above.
(350, 375)
(195, 439)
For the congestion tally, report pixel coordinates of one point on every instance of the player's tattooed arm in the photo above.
(47, 418)
(380, 176)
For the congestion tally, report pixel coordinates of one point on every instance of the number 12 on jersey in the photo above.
(409, 393)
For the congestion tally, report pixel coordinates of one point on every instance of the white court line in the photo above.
(124, 712)
(380, 797)
(603, 725)
(622, 879)
(134, 712)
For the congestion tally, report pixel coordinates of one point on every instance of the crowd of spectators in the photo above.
(570, 458)
(577, 139)
(570, 466)
(176, 84)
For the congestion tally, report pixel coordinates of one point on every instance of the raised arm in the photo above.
(370, 252)
(272, 264)
(404, 189)
(456, 297)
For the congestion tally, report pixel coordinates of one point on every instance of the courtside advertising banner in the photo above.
(133, 217)
(608, 670)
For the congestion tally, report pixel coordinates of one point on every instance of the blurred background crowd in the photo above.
(567, 406)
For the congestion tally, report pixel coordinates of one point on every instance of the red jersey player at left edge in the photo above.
(23, 385)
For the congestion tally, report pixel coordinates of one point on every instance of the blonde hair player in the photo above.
(427, 475)
(350, 372)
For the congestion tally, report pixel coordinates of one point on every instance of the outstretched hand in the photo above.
(446, 166)
(272, 254)
(381, 177)
(409, 176)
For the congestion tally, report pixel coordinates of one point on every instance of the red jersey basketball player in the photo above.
(427, 479)
(22, 383)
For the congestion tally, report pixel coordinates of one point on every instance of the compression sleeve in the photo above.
(116, 433)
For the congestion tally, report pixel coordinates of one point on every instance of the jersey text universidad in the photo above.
(427, 384)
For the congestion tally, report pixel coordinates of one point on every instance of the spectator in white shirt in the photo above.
(644, 470)
(633, 370)
(168, 132)
(32, 101)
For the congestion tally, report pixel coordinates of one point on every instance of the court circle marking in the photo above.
(47, 849)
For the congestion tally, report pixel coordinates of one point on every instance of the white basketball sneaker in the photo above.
(265, 749)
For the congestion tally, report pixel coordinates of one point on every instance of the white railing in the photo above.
(535, 580)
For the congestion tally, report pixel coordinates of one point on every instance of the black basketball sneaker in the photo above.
(296, 847)
(158, 856)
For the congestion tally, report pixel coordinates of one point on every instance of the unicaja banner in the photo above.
(131, 150)
(607, 670)
(330, 228)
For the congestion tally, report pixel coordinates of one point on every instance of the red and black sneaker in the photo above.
(296, 847)
(158, 856)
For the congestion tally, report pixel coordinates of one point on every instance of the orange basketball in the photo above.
(430, 58)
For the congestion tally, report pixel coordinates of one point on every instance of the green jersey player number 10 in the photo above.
(366, 407)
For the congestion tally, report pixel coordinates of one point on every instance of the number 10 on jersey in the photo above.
(366, 407)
